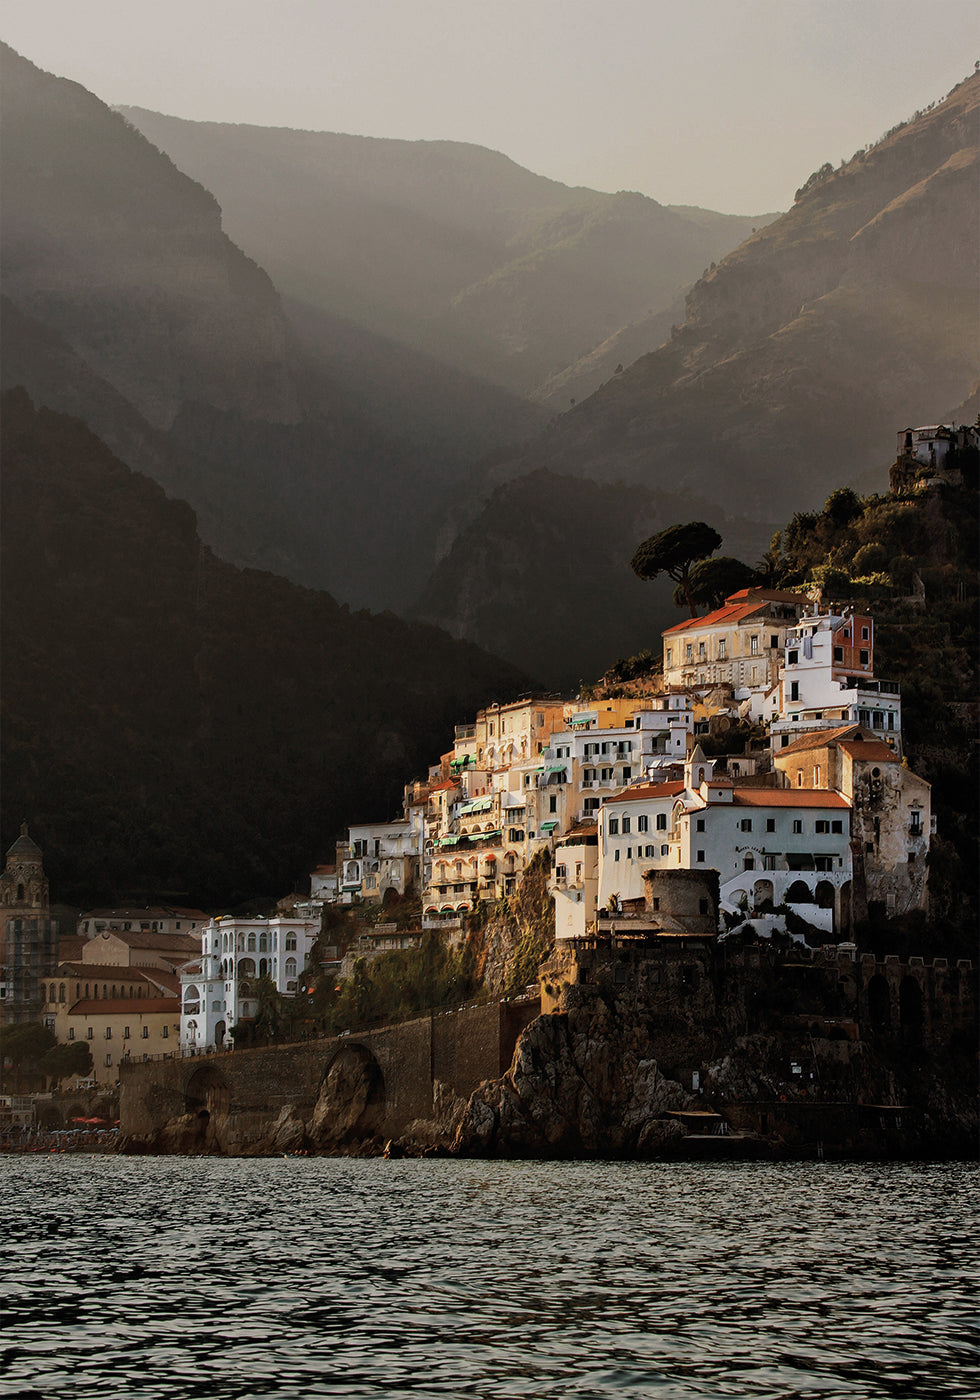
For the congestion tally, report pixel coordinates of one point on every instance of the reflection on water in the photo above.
(173, 1277)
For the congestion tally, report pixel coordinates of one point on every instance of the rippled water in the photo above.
(180, 1277)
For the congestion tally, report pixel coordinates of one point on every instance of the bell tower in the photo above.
(29, 940)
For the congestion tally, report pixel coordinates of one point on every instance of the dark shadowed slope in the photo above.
(174, 723)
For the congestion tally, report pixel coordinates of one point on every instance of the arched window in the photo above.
(290, 968)
(263, 942)
(251, 943)
(20, 894)
(290, 942)
(241, 942)
(263, 967)
(748, 863)
(86, 991)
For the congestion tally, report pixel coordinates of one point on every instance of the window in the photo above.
(748, 863)
(108, 1032)
(822, 828)
(783, 740)
(689, 652)
(799, 777)
(629, 852)
(606, 775)
(90, 1033)
(816, 775)
(591, 805)
(290, 942)
(656, 902)
(722, 648)
(108, 1059)
(627, 826)
(71, 1032)
(770, 823)
(664, 850)
(915, 824)
(865, 634)
(553, 803)
(754, 646)
(797, 827)
(661, 821)
(613, 826)
(865, 657)
(838, 653)
(773, 643)
(616, 856)
(643, 823)
(702, 651)
(745, 824)
(837, 828)
(145, 1032)
(792, 657)
(166, 1032)
(670, 656)
(125, 1032)
(700, 857)
(650, 851)
(699, 824)
(627, 773)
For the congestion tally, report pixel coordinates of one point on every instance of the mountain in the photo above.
(449, 248)
(128, 304)
(806, 348)
(542, 574)
(173, 723)
(802, 353)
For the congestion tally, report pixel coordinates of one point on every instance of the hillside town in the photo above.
(765, 756)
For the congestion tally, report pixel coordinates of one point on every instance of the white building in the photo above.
(381, 856)
(828, 680)
(740, 644)
(574, 883)
(219, 990)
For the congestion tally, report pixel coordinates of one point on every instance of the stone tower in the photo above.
(29, 939)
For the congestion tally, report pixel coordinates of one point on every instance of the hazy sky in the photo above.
(724, 103)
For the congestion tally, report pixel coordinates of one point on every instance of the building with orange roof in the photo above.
(740, 644)
(891, 806)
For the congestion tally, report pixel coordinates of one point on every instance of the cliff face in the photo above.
(605, 1072)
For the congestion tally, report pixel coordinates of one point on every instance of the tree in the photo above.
(24, 1045)
(61, 1061)
(673, 551)
(713, 580)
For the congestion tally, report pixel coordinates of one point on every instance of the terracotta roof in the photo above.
(874, 751)
(441, 787)
(820, 738)
(162, 942)
(113, 1006)
(788, 797)
(644, 792)
(150, 911)
(718, 618)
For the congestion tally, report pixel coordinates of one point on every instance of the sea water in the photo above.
(200, 1277)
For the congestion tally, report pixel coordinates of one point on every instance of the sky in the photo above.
(728, 104)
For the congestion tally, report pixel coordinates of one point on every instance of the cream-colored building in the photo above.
(156, 918)
(740, 644)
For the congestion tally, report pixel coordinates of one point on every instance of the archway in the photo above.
(351, 1104)
(207, 1093)
(824, 894)
(879, 1005)
(799, 893)
(763, 895)
(910, 1011)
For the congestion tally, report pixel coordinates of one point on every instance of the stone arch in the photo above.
(799, 892)
(207, 1093)
(910, 1010)
(763, 894)
(351, 1103)
(824, 894)
(879, 1005)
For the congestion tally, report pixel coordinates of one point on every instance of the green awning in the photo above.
(587, 717)
(548, 826)
(449, 841)
(557, 767)
(478, 804)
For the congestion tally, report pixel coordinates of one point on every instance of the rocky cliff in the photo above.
(788, 1052)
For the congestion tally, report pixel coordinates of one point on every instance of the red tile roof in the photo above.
(738, 606)
(113, 1006)
(788, 797)
(644, 792)
(820, 738)
(874, 751)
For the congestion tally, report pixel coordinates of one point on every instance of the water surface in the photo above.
(207, 1277)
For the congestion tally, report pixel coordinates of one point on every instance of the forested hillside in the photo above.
(173, 723)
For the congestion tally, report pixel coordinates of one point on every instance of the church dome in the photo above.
(24, 848)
